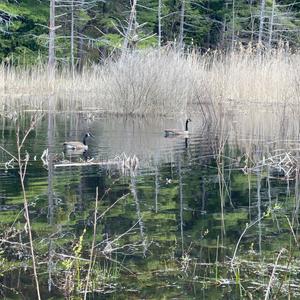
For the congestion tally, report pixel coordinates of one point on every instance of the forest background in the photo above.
(89, 31)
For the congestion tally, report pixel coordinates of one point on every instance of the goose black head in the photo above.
(88, 134)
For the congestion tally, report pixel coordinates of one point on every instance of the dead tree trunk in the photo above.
(224, 26)
(261, 21)
(80, 53)
(131, 21)
(72, 40)
(80, 43)
(233, 25)
(271, 24)
(252, 20)
(181, 30)
(159, 24)
(51, 57)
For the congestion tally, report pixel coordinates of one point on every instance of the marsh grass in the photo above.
(165, 83)
(168, 84)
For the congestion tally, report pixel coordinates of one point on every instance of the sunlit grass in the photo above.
(168, 83)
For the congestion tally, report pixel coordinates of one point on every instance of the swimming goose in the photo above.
(172, 132)
(78, 145)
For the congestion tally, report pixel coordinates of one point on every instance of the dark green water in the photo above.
(174, 232)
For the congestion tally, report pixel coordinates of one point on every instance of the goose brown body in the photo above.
(172, 132)
(75, 145)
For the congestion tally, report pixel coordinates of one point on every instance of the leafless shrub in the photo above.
(145, 82)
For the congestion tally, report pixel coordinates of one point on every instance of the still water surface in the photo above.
(172, 232)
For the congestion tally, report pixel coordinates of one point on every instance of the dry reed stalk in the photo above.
(164, 83)
(22, 174)
(93, 245)
(240, 238)
(272, 277)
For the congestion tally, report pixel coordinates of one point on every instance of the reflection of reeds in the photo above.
(168, 83)
(23, 163)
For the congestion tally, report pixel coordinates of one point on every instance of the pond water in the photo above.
(210, 216)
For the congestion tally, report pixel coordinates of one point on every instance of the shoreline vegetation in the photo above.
(83, 254)
(158, 82)
(213, 215)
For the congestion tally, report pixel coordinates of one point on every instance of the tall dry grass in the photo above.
(165, 83)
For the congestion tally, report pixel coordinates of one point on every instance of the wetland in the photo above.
(209, 216)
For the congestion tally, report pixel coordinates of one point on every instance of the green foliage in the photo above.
(111, 41)
(18, 40)
(100, 27)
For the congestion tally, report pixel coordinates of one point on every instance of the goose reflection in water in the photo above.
(76, 153)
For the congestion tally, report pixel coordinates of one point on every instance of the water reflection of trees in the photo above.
(51, 212)
(192, 200)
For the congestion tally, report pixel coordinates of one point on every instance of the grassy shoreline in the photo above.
(153, 83)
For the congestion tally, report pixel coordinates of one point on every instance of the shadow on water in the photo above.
(201, 217)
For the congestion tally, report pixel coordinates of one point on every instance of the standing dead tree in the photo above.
(181, 26)
(73, 16)
(159, 23)
(72, 40)
(51, 58)
(233, 26)
(282, 24)
(271, 23)
(131, 34)
(261, 21)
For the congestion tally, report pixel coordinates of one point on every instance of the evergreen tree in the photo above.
(91, 30)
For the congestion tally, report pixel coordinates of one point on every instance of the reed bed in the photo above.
(158, 83)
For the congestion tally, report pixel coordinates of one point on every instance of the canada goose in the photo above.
(78, 146)
(172, 132)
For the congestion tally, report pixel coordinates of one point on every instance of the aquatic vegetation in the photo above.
(164, 83)
(209, 219)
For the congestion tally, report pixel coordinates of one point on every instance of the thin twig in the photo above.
(22, 173)
(93, 245)
(8, 153)
(272, 277)
(102, 215)
(241, 236)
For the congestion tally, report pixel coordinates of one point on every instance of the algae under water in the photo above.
(170, 229)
